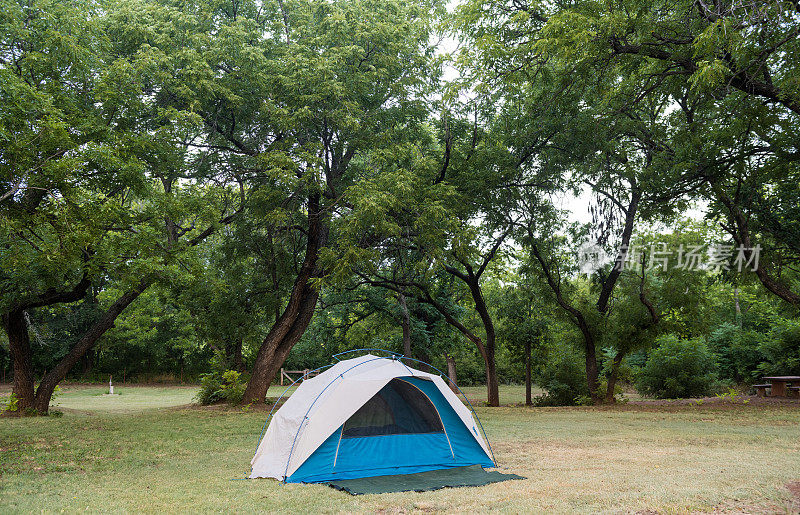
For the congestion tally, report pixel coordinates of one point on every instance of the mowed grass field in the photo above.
(148, 450)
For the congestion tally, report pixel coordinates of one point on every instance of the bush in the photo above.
(562, 375)
(226, 386)
(12, 404)
(737, 352)
(781, 349)
(678, 368)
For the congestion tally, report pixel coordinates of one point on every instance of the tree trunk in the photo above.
(612, 378)
(528, 398)
(487, 348)
(238, 360)
(19, 347)
(405, 323)
(276, 346)
(233, 355)
(492, 387)
(592, 372)
(87, 363)
(451, 372)
(44, 392)
(590, 352)
(294, 320)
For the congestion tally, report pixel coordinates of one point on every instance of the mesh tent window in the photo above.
(398, 408)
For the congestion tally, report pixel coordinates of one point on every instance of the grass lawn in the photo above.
(146, 450)
(127, 400)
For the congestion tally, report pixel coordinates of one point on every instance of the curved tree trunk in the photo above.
(44, 392)
(492, 385)
(471, 278)
(294, 320)
(276, 346)
(485, 348)
(38, 400)
(578, 318)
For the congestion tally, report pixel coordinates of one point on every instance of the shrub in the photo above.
(678, 368)
(12, 404)
(562, 375)
(781, 349)
(226, 386)
(737, 352)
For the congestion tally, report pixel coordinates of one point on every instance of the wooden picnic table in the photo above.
(780, 384)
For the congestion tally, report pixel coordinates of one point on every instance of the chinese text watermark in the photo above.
(659, 256)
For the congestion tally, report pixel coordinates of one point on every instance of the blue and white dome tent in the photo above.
(369, 416)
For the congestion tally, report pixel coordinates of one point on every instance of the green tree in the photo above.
(731, 70)
(90, 169)
(64, 168)
(352, 78)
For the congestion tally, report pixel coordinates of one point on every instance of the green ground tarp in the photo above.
(473, 475)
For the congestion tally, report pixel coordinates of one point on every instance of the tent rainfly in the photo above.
(369, 416)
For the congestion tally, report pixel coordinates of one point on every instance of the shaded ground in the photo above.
(137, 456)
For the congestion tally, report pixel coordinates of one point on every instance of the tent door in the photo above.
(444, 428)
